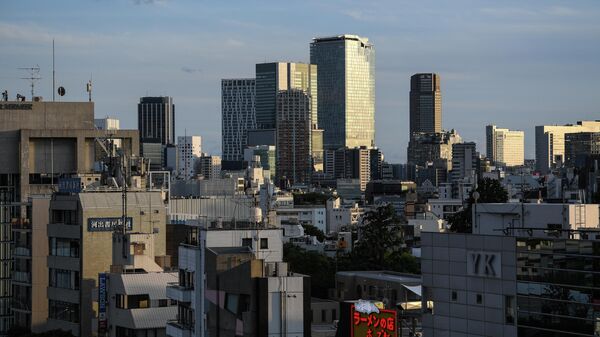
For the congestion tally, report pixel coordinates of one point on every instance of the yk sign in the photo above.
(380, 323)
(485, 264)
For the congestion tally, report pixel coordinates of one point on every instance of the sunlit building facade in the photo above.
(346, 90)
(504, 146)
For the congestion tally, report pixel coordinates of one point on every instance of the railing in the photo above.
(20, 223)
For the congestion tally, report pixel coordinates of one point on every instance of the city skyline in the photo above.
(480, 50)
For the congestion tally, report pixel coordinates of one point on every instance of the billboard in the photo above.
(369, 321)
(108, 224)
(102, 319)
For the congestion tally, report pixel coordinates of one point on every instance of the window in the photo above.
(64, 247)
(247, 242)
(163, 303)
(479, 299)
(186, 279)
(264, 243)
(62, 278)
(509, 309)
(323, 316)
(333, 314)
(63, 311)
(120, 301)
(138, 301)
(454, 296)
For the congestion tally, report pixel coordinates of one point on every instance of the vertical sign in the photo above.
(102, 319)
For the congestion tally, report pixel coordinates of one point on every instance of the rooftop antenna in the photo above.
(34, 75)
(53, 73)
(88, 88)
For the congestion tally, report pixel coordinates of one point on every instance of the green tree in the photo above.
(490, 191)
(381, 238)
(318, 266)
(314, 231)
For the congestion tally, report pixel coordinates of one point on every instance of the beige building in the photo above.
(504, 146)
(550, 142)
(80, 237)
(42, 142)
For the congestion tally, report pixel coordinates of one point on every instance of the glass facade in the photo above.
(346, 90)
(558, 287)
(238, 116)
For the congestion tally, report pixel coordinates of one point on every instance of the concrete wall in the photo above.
(46, 115)
(445, 265)
(39, 263)
(233, 238)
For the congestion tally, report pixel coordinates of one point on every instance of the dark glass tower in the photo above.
(425, 103)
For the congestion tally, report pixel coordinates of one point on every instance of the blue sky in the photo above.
(513, 63)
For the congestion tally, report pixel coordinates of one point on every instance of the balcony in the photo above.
(179, 293)
(22, 252)
(20, 224)
(21, 277)
(176, 329)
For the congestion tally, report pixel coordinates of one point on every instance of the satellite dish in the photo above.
(61, 91)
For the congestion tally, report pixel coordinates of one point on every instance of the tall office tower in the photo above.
(504, 146)
(156, 120)
(294, 163)
(346, 89)
(209, 167)
(238, 116)
(464, 162)
(425, 147)
(580, 146)
(189, 149)
(271, 78)
(550, 142)
(425, 103)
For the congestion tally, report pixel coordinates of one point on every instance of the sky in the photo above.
(516, 64)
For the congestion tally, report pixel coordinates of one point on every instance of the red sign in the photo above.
(373, 324)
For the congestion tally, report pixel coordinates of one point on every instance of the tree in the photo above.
(318, 266)
(490, 191)
(314, 231)
(380, 238)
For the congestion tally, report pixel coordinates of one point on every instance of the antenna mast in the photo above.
(34, 75)
(53, 73)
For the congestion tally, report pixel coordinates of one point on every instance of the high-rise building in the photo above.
(504, 146)
(189, 149)
(294, 163)
(156, 120)
(346, 90)
(271, 78)
(464, 162)
(425, 103)
(579, 146)
(550, 142)
(425, 147)
(238, 116)
(210, 167)
(266, 155)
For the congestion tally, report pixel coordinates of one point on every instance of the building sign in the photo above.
(102, 319)
(370, 321)
(484, 264)
(16, 106)
(69, 185)
(107, 224)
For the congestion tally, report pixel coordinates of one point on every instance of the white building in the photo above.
(443, 208)
(492, 219)
(189, 149)
(550, 142)
(464, 162)
(340, 216)
(304, 216)
(138, 304)
(504, 146)
(107, 123)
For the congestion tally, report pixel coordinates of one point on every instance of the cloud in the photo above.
(150, 2)
(231, 42)
(190, 70)
(515, 12)
(561, 11)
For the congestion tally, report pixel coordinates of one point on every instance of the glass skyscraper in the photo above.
(425, 103)
(346, 90)
(238, 116)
